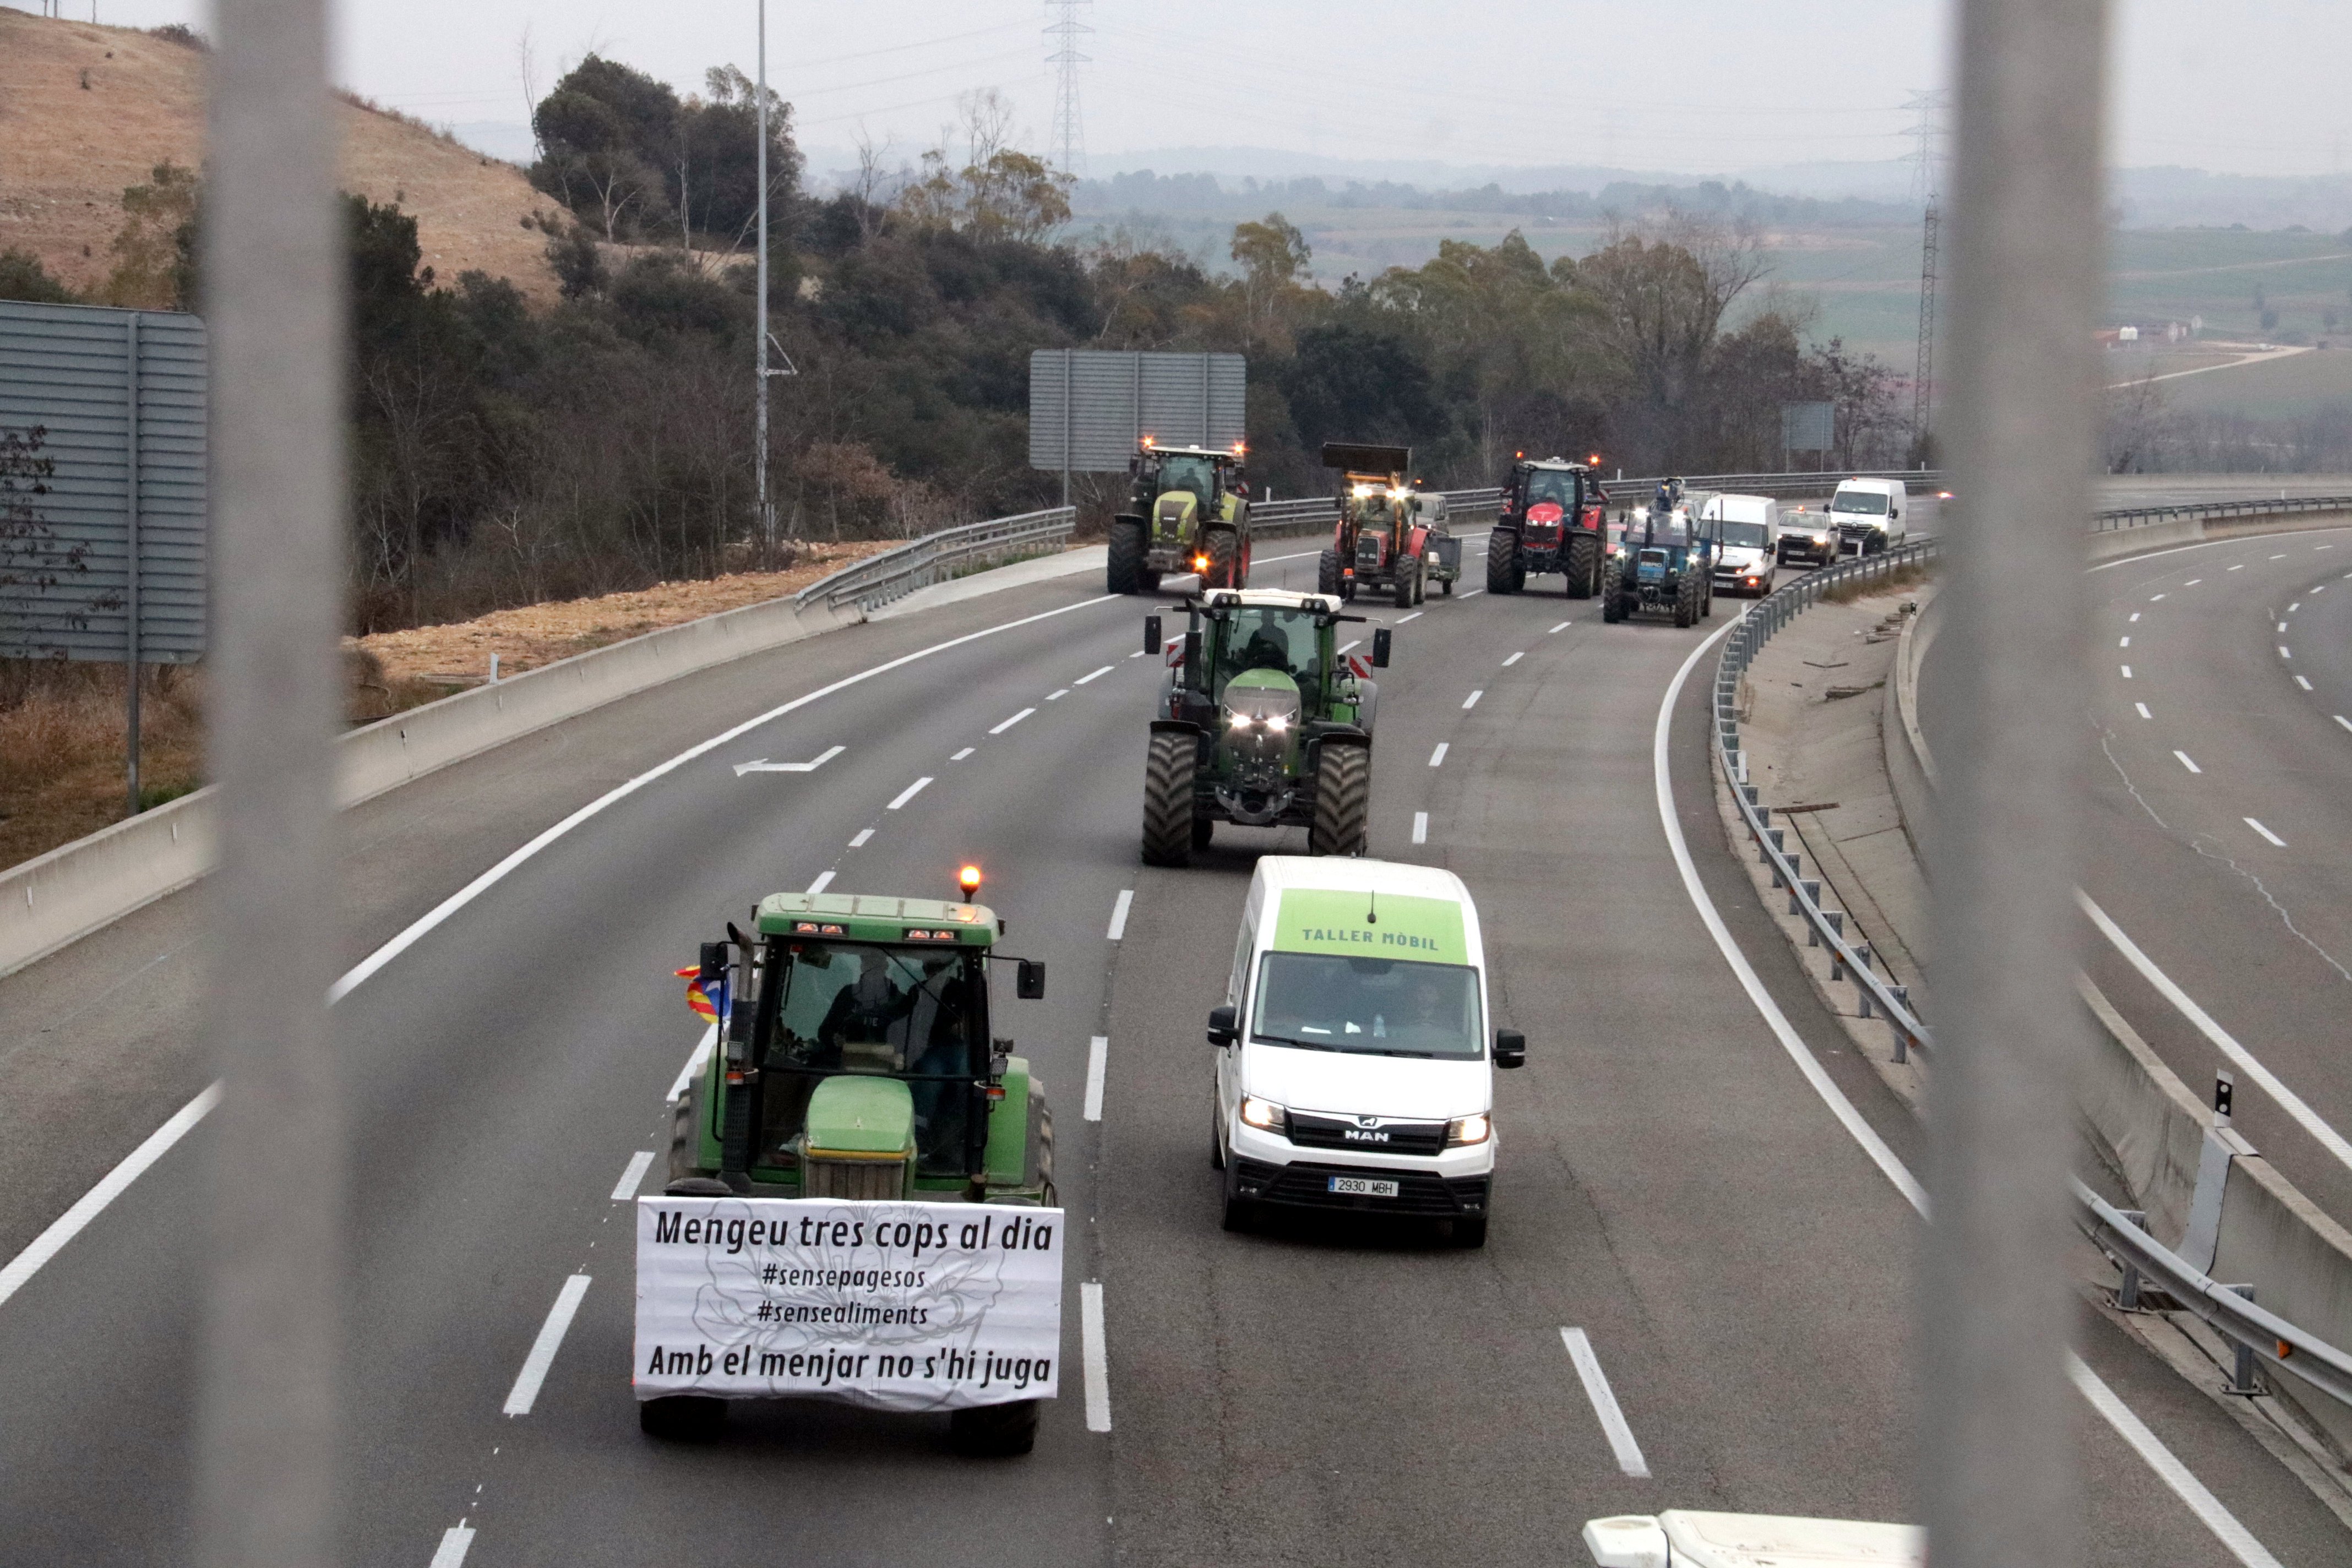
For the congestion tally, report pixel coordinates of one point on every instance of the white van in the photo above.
(1746, 542)
(1686, 1538)
(1869, 514)
(1353, 1065)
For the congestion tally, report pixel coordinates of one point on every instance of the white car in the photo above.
(1746, 542)
(1680, 1537)
(1354, 1068)
(1869, 514)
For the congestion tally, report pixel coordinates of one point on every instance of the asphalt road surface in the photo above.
(1670, 1183)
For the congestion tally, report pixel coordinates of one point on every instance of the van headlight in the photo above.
(1267, 1117)
(1464, 1130)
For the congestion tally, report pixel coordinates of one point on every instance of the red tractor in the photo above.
(1383, 540)
(1549, 520)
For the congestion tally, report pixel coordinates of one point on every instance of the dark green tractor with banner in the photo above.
(1188, 512)
(1265, 721)
(1665, 564)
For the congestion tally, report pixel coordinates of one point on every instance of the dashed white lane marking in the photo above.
(909, 792)
(2192, 582)
(525, 1391)
(2293, 607)
(1561, 627)
(2187, 761)
(2284, 653)
(451, 1552)
(1119, 913)
(2208, 1508)
(1343, 647)
(2135, 614)
(1414, 617)
(1472, 701)
(863, 835)
(1138, 653)
(1000, 729)
(695, 1061)
(1057, 696)
(2282, 625)
(2276, 841)
(1095, 674)
(1437, 757)
(2241, 566)
(1421, 828)
(1604, 1403)
(2126, 643)
(962, 755)
(632, 1176)
(2143, 711)
(1514, 658)
(2126, 669)
(824, 882)
(111, 1186)
(1097, 1062)
(2337, 717)
(2301, 682)
(2278, 557)
(2152, 598)
(1096, 1356)
(1474, 593)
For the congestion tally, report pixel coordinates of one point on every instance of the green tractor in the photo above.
(1264, 721)
(1188, 512)
(858, 1060)
(1665, 564)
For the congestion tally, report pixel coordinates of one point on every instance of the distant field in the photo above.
(2280, 389)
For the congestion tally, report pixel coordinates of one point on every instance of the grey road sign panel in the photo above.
(1089, 408)
(1808, 426)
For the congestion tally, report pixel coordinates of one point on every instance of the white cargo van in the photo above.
(1869, 514)
(1746, 541)
(1353, 1066)
(1684, 1538)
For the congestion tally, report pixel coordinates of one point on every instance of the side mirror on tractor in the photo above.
(1510, 1048)
(1195, 676)
(714, 963)
(1029, 980)
(1151, 640)
(1220, 1027)
(1381, 647)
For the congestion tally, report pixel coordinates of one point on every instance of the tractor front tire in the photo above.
(1167, 798)
(1401, 593)
(1686, 600)
(1503, 574)
(1343, 799)
(994, 1431)
(1328, 574)
(1421, 581)
(1225, 561)
(682, 1417)
(1126, 574)
(1612, 592)
(1583, 557)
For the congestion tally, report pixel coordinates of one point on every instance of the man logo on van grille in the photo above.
(1367, 1121)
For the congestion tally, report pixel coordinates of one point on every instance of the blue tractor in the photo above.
(1664, 561)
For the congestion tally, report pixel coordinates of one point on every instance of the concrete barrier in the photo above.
(2112, 544)
(78, 887)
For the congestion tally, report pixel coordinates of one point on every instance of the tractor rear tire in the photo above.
(994, 1431)
(1328, 574)
(1126, 572)
(1343, 799)
(1503, 574)
(1167, 798)
(1687, 600)
(1225, 561)
(1583, 558)
(1612, 592)
(682, 1417)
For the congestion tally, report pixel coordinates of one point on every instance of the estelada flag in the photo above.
(696, 997)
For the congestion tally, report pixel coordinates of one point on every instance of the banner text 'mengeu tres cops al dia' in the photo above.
(896, 1306)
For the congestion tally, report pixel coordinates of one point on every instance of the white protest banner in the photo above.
(896, 1306)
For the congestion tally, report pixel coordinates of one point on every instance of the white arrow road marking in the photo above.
(525, 1391)
(765, 766)
(631, 1178)
(1604, 1403)
(1098, 1061)
(909, 792)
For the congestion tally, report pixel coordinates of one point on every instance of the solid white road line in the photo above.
(525, 1391)
(1057, 696)
(2208, 1508)
(1000, 729)
(1561, 627)
(1096, 1357)
(1472, 701)
(1119, 913)
(863, 835)
(1421, 828)
(2276, 842)
(1604, 1403)
(2299, 681)
(821, 883)
(633, 1176)
(2187, 761)
(451, 1552)
(2127, 675)
(1514, 658)
(91, 1204)
(909, 792)
(2143, 711)
(963, 754)
(1414, 617)
(1437, 757)
(2248, 1063)
(1098, 1061)
(1093, 675)
(695, 1061)
(2102, 1399)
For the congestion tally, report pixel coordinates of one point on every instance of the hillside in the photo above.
(86, 111)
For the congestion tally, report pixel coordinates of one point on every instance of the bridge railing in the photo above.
(2219, 510)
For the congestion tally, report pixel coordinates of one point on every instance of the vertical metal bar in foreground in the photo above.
(268, 1434)
(759, 419)
(132, 609)
(1996, 1474)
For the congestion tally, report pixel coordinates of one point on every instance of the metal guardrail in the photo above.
(920, 563)
(2277, 506)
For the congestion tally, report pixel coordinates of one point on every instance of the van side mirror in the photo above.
(1029, 980)
(1381, 649)
(1151, 640)
(1510, 1048)
(1221, 1025)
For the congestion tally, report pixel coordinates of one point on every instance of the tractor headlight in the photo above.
(1464, 1130)
(1236, 720)
(1265, 1114)
(1277, 722)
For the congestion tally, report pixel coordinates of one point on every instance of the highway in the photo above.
(1671, 1183)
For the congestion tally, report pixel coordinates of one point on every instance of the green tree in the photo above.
(157, 249)
(22, 277)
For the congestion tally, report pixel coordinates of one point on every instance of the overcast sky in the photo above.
(1700, 86)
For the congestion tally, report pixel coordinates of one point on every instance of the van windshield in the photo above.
(1379, 1007)
(1867, 501)
(1742, 535)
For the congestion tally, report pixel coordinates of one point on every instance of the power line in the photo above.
(1069, 128)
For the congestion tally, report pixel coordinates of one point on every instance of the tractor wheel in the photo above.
(1612, 592)
(1503, 574)
(1224, 562)
(1685, 600)
(1706, 597)
(1167, 798)
(682, 1417)
(1328, 577)
(1202, 826)
(1401, 593)
(1583, 556)
(1421, 582)
(994, 1431)
(1126, 574)
(1343, 799)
